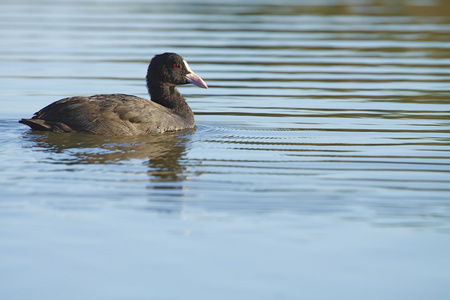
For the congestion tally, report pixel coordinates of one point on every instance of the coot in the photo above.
(119, 114)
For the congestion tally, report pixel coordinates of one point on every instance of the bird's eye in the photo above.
(176, 66)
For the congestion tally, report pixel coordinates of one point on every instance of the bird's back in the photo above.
(111, 114)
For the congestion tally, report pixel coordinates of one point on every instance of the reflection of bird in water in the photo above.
(122, 115)
(162, 152)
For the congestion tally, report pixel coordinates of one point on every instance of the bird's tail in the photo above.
(36, 124)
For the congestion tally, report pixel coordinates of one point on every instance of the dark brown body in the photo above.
(114, 114)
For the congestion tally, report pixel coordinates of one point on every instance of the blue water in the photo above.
(319, 167)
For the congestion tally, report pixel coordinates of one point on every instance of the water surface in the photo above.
(319, 168)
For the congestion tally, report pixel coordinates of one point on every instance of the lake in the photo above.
(319, 167)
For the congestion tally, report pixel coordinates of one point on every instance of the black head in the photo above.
(171, 69)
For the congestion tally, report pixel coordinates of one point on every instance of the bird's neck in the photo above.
(168, 96)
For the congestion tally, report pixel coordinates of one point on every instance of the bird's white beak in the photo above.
(194, 78)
